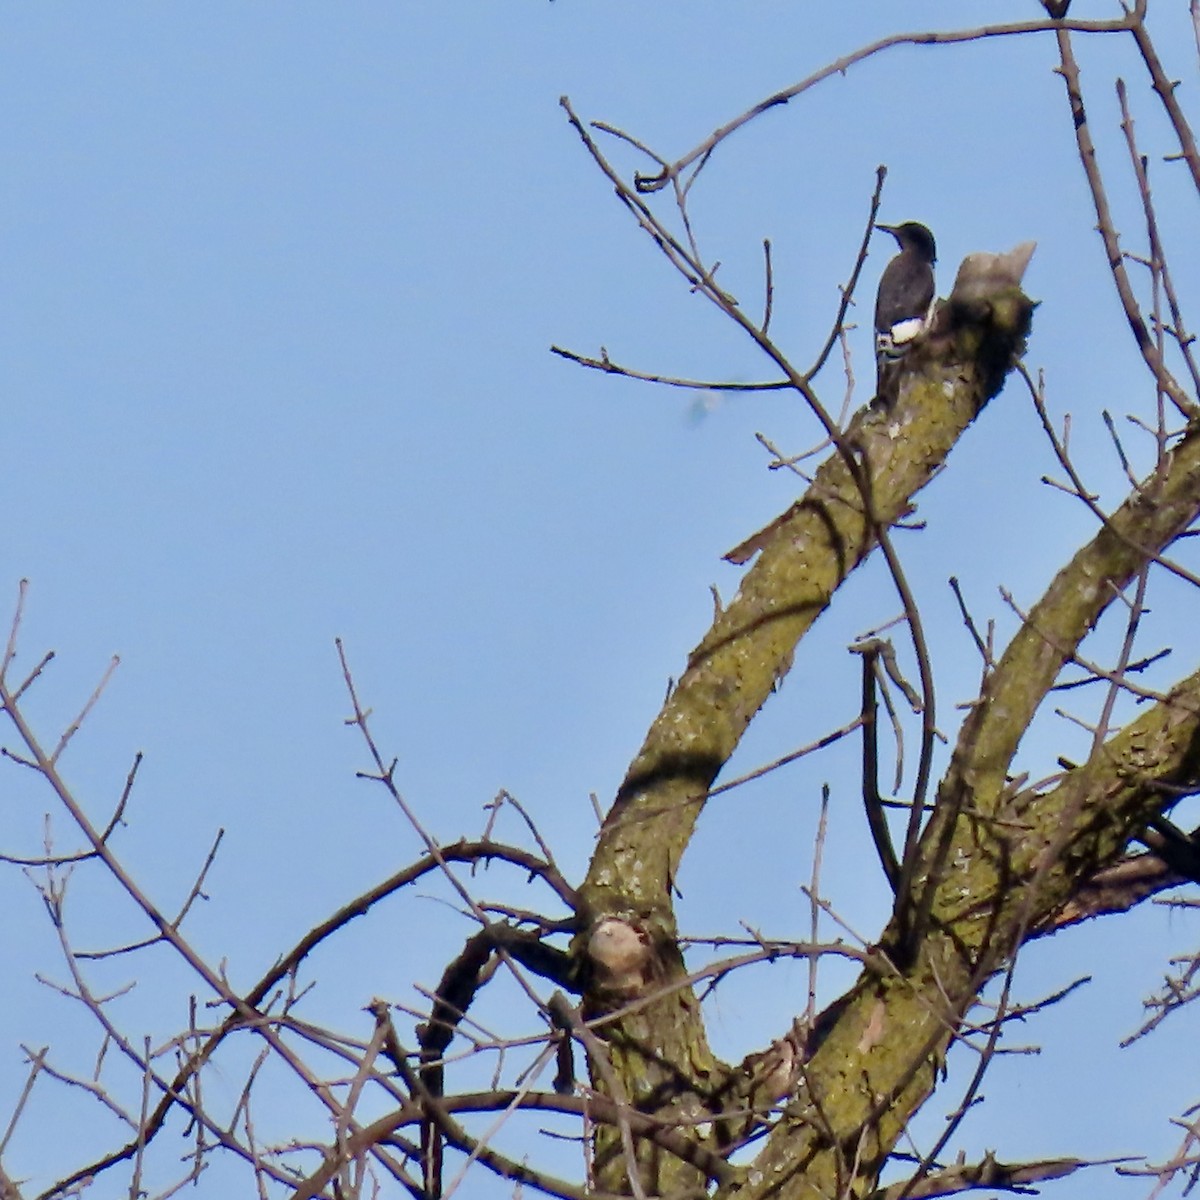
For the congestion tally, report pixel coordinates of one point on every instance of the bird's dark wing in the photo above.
(905, 291)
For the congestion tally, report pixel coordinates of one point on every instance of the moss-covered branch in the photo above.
(751, 643)
(879, 1058)
(995, 863)
(660, 1051)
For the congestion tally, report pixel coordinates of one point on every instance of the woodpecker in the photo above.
(904, 300)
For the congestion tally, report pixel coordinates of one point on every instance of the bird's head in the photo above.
(912, 235)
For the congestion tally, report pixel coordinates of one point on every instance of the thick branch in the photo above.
(660, 1051)
(1149, 520)
(879, 1060)
(749, 648)
(996, 863)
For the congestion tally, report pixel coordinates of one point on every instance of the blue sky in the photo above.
(279, 283)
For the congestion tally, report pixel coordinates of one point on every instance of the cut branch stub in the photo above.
(620, 957)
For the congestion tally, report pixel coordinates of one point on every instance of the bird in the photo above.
(903, 305)
(904, 300)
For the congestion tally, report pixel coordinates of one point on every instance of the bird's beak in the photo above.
(886, 228)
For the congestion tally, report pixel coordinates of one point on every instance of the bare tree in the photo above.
(613, 1051)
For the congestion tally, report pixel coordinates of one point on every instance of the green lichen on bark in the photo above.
(995, 863)
(889, 453)
(1162, 508)
(878, 1062)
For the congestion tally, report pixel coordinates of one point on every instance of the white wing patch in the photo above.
(896, 341)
